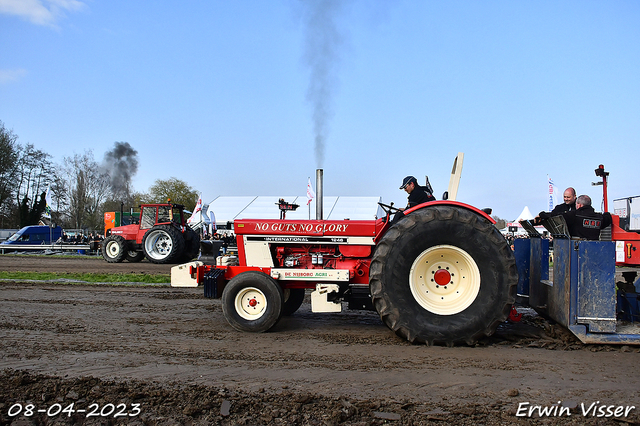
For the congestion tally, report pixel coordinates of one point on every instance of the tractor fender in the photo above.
(382, 230)
(451, 203)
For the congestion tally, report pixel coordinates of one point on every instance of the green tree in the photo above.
(174, 189)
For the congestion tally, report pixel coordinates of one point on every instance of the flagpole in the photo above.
(309, 201)
(47, 214)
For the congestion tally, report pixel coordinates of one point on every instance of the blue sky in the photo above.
(231, 96)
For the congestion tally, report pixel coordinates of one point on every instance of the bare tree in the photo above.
(8, 164)
(59, 199)
(88, 188)
(34, 172)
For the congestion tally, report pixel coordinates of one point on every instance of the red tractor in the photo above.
(441, 274)
(162, 236)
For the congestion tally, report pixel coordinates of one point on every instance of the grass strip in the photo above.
(87, 277)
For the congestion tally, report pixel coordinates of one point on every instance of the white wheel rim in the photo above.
(444, 280)
(113, 248)
(159, 244)
(250, 303)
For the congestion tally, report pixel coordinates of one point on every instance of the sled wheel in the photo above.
(163, 244)
(293, 298)
(113, 249)
(134, 256)
(252, 301)
(444, 274)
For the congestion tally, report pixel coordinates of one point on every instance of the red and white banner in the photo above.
(552, 194)
(196, 210)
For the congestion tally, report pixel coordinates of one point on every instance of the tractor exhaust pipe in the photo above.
(319, 191)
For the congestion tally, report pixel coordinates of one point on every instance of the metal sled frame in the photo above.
(581, 294)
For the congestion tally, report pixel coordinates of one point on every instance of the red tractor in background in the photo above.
(625, 230)
(161, 235)
(443, 273)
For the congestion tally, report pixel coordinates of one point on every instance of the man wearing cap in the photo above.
(417, 194)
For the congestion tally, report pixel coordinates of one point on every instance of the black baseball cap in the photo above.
(406, 181)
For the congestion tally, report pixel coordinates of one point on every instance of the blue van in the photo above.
(34, 235)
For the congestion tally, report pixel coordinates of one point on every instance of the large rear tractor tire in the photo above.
(163, 244)
(134, 256)
(114, 249)
(443, 275)
(192, 244)
(293, 298)
(252, 301)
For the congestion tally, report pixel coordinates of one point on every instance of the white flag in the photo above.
(196, 210)
(310, 194)
(47, 207)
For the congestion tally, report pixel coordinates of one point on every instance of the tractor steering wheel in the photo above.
(388, 209)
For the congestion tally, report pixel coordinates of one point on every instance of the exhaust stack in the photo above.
(319, 193)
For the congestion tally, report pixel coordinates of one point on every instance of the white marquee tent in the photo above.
(525, 215)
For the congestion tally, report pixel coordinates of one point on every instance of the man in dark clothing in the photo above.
(417, 194)
(568, 205)
(585, 222)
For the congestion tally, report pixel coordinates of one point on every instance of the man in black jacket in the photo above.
(568, 205)
(584, 221)
(417, 194)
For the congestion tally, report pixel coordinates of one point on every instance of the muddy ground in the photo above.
(74, 263)
(156, 355)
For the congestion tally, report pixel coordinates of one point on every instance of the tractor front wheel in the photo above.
(252, 301)
(113, 249)
(163, 244)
